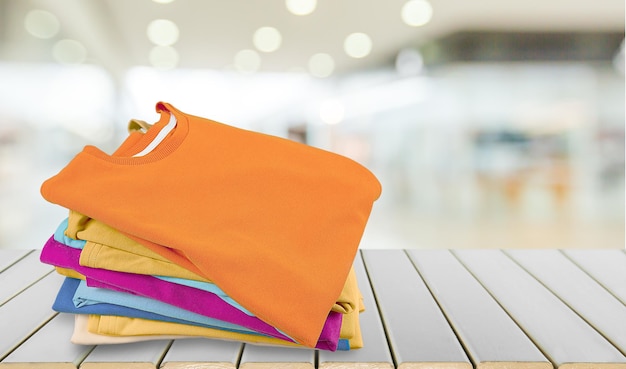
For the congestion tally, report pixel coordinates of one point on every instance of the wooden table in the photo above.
(425, 309)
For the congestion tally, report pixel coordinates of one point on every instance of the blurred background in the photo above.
(491, 124)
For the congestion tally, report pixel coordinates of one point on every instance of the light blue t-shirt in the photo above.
(85, 295)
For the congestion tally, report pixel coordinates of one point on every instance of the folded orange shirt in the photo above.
(274, 223)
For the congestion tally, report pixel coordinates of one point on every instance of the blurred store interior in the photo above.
(491, 124)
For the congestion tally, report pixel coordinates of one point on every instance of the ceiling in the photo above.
(213, 31)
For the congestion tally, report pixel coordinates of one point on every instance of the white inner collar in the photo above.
(159, 137)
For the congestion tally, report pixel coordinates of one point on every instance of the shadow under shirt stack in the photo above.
(246, 236)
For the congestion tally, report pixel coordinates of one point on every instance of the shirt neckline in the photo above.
(168, 145)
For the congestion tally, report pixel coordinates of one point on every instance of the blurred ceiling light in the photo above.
(162, 32)
(301, 7)
(163, 57)
(332, 111)
(321, 65)
(417, 12)
(358, 45)
(267, 39)
(41, 24)
(247, 61)
(163, 1)
(409, 62)
(69, 52)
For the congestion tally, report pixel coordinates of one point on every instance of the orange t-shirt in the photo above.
(274, 223)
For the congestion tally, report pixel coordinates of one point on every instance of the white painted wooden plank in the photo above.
(418, 331)
(137, 355)
(50, 348)
(375, 352)
(260, 357)
(608, 267)
(578, 290)
(10, 256)
(26, 312)
(202, 353)
(562, 335)
(489, 335)
(20, 275)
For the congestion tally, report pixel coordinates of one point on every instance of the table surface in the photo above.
(424, 309)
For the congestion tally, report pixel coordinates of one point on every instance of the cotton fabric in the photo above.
(64, 304)
(193, 300)
(221, 201)
(200, 302)
(105, 248)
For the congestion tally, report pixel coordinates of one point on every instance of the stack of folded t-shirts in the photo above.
(193, 228)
